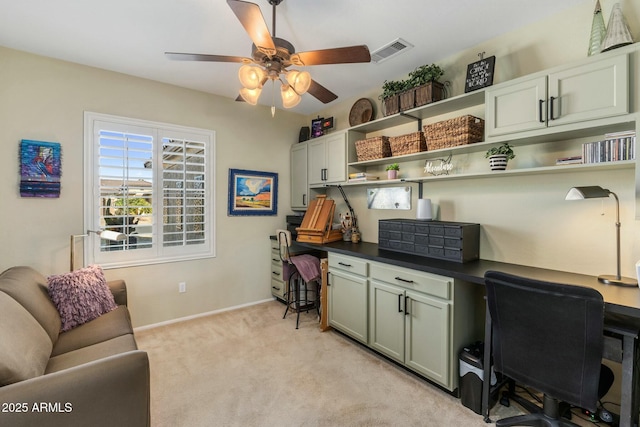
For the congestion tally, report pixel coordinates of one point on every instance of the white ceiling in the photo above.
(131, 36)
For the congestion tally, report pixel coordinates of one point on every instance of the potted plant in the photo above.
(420, 88)
(499, 156)
(390, 99)
(427, 87)
(392, 171)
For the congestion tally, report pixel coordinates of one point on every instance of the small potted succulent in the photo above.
(499, 156)
(392, 171)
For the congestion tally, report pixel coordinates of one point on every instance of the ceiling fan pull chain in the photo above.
(273, 97)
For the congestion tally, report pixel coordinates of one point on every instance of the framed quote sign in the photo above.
(480, 74)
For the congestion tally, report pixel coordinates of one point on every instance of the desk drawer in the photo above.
(347, 263)
(432, 284)
(276, 270)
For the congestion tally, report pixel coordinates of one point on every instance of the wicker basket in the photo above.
(407, 144)
(373, 148)
(454, 132)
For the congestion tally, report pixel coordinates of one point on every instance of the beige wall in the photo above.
(525, 219)
(44, 99)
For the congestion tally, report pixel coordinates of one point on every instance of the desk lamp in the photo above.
(103, 234)
(593, 192)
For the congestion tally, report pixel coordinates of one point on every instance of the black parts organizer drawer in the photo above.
(452, 241)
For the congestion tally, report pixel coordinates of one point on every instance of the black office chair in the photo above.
(301, 274)
(547, 336)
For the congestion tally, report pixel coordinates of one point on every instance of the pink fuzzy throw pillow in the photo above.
(80, 296)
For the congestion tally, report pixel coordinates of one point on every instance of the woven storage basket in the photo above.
(373, 148)
(407, 144)
(454, 132)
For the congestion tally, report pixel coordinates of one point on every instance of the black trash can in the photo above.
(471, 376)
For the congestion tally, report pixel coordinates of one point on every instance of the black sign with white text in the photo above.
(480, 74)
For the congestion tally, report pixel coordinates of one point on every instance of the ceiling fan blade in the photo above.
(323, 94)
(240, 99)
(204, 57)
(251, 18)
(340, 55)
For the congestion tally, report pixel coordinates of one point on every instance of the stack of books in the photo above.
(361, 177)
(615, 147)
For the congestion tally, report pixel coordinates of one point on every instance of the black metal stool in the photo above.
(297, 288)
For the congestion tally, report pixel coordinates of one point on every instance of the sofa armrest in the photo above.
(113, 391)
(119, 290)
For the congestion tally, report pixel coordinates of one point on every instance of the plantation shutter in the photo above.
(183, 182)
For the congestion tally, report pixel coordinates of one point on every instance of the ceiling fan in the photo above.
(272, 56)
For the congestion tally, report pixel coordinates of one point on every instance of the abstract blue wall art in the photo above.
(40, 168)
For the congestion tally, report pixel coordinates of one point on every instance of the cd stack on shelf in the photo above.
(615, 147)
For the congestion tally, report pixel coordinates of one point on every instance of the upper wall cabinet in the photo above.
(579, 93)
(327, 159)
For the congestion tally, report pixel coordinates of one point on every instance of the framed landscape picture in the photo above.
(252, 193)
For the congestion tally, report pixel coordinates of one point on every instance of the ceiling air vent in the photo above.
(390, 50)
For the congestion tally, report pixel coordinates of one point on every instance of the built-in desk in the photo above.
(622, 303)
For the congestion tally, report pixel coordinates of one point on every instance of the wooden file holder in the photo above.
(317, 224)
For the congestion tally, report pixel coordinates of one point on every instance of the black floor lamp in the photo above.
(594, 192)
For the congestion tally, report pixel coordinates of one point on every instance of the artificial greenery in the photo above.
(393, 167)
(418, 77)
(425, 74)
(504, 149)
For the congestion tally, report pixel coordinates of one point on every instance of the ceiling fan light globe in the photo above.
(251, 95)
(289, 97)
(299, 80)
(251, 77)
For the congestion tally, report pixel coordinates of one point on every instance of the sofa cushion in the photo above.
(110, 325)
(25, 346)
(91, 353)
(80, 296)
(29, 288)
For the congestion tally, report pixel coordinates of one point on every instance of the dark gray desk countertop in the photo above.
(625, 301)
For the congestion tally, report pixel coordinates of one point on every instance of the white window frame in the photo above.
(158, 253)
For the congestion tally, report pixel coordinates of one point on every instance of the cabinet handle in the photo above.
(304, 200)
(324, 174)
(344, 265)
(551, 99)
(275, 273)
(275, 287)
(328, 276)
(403, 280)
(275, 259)
(406, 305)
(540, 102)
(399, 303)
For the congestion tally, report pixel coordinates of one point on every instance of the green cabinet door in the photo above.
(348, 304)
(387, 319)
(427, 343)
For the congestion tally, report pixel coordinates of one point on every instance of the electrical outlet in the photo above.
(182, 287)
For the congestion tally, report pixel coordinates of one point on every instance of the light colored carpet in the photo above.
(249, 367)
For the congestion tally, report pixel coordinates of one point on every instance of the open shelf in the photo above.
(625, 164)
(444, 106)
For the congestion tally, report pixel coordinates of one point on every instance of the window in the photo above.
(154, 183)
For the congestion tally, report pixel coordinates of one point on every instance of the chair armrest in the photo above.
(113, 391)
(119, 290)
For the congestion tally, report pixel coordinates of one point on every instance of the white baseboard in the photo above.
(195, 316)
